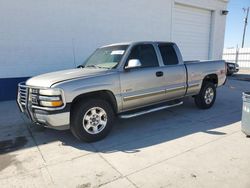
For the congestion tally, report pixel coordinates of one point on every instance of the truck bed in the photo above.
(197, 70)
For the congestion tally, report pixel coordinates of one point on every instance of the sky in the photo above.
(235, 24)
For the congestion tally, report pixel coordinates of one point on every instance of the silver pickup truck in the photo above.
(124, 80)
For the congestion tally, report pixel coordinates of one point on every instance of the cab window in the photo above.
(168, 54)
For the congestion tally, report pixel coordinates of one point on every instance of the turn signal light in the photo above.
(51, 103)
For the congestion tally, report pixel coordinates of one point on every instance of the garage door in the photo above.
(191, 31)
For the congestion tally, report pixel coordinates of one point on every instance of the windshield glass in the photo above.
(106, 57)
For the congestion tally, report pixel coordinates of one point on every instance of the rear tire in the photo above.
(91, 120)
(206, 98)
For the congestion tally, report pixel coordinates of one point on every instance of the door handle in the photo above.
(159, 73)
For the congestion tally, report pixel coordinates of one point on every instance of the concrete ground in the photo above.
(243, 74)
(179, 147)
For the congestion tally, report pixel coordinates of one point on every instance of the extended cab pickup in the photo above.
(125, 80)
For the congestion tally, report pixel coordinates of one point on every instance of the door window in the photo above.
(146, 54)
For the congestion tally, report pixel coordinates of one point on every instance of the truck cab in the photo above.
(156, 74)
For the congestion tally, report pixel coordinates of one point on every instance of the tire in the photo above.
(203, 100)
(86, 126)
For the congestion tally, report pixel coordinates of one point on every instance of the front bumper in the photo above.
(55, 119)
(59, 121)
(232, 70)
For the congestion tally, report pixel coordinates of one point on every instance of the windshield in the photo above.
(106, 57)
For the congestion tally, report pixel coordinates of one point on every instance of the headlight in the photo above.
(47, 97)
(55, 91)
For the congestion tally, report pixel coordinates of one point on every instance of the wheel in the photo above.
(206, 98)
(91, 120)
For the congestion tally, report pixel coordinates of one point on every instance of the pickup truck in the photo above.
(119, 80)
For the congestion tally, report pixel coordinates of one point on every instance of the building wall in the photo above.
(218, 23)
(43, 36)
(49, 35)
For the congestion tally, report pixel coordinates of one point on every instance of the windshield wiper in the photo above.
(96, 66)
(93, 66)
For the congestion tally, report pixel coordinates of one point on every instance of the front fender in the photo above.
(74, 88)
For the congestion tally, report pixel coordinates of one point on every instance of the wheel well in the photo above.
(103, 94)
(211, 78)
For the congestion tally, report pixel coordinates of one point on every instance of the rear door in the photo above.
(144, 85)
(174, 71)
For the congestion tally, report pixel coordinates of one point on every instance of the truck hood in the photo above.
(48, 79)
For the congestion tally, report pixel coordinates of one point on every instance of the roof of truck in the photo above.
(137, 42)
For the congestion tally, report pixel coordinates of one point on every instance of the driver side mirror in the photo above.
(133, 63)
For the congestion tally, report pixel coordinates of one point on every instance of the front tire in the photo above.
(91, 120)
(206, 98)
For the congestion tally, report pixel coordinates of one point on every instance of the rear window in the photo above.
(168, 54)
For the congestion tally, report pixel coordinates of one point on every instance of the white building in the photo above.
(38, 36)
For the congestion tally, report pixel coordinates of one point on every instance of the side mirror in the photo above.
(133, 63)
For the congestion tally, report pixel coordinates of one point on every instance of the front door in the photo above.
(144, 85)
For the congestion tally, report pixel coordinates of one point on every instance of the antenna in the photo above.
(73, 50)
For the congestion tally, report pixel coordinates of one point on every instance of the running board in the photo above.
(139, 113)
